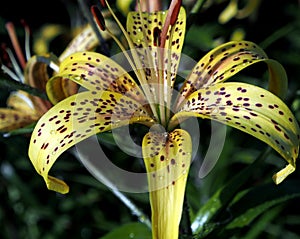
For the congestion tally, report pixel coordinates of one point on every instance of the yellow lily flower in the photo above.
(113, 98)
(233, 10)
(24, 108)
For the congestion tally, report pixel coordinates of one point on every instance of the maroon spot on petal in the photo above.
(277, 128)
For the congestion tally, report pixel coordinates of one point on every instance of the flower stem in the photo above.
(15, 85)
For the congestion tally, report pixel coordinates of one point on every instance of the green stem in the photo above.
(282, 32)
(193, 13)
(185, 223)
(197, 6)
(15, 85)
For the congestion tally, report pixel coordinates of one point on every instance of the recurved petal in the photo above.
(167, 158)
(251, 109)
(94, 72)
(75, 119)
(11, 119)
(228, 59)
(36, 76)
(21, 101)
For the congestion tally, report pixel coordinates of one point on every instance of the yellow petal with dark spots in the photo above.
(11, 119)
(251, 109)
(75, 119)
(94, 72)
(167, 157)
(145, 30)
(225, 61)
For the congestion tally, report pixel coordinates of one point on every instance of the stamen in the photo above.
(86, 11)
(98, 17)
(170, 20)
(9, 72)
(15, 65)
(175, 12)
(14, 40)
(27, 40)
(50, 61)
(137, 67)
(103, 3)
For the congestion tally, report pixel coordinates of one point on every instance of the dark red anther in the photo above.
(170, 20)
(98, 17)
(103, 3)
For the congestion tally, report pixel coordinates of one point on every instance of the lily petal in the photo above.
(251, 109)
(228, 59)
(75, 119)
(167, 157)
(36, 75)
(21, 101)
(11, 119)
(87, 40)
(145, 31)
(93, 71)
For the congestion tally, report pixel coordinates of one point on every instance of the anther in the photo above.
(98, 17)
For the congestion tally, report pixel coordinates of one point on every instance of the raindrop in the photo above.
(76, 78)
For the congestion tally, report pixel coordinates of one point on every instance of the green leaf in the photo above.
(203, 222)
(259, 199)
(133, 230)
(9, 84)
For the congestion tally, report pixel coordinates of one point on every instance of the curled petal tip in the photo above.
(56, 185)
(283, 173)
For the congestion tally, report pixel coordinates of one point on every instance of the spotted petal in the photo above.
(36, 76)
(145, 30)
(11, 119)
(19, 113)
(94, 72)
(251, 109)
(75, 119)
(225, 61)
(167, 157)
